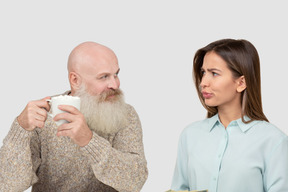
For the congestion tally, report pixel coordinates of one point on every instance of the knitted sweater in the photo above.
(49, 163)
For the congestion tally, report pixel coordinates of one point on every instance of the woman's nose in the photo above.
(204, 82)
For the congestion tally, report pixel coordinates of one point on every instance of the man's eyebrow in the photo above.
(107, 73)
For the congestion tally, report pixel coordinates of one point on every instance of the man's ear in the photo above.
(75, 80)
(241, 84)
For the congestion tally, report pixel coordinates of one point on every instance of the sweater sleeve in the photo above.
(19, 150)
(121, 165)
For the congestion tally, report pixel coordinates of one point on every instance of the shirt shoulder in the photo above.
(196, 128)
(199, 125)
(268, 128)
(268, 134)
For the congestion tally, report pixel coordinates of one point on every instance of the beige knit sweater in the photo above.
(49, 163)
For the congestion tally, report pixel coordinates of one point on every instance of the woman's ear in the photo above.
(75, 80)
(241, 84)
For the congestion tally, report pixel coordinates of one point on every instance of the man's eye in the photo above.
(104, 77)
(215, 74)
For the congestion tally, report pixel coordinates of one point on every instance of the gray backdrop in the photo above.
(155, 42)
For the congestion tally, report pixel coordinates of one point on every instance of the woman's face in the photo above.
(218, 87)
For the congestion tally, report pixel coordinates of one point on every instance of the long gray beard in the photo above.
(103, 116)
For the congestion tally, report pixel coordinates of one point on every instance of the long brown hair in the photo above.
(243, 60)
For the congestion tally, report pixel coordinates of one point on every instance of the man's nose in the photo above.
(113, 83)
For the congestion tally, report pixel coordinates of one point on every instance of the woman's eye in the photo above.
(214, 74)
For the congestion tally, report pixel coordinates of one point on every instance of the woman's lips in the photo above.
(207, 95)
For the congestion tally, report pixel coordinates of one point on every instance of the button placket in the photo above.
(219, 158)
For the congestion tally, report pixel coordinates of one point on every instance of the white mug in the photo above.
(62, 100)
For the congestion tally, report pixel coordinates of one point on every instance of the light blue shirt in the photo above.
(241, 158)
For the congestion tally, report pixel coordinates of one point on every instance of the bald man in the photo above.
(101, 147)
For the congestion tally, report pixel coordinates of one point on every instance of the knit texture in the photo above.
(40, 159)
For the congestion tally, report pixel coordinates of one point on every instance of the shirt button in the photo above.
(214, 178)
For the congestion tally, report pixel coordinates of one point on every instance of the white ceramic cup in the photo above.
(62, 100)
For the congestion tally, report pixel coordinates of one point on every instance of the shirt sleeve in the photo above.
(17, 155)
(276, 173)
(121, 165)
(180, 177)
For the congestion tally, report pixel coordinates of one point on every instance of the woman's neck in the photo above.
(227, 115)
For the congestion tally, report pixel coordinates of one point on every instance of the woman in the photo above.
(235, 149)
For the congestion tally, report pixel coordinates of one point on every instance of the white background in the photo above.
(155, 42)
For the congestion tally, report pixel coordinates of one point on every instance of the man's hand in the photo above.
(77, 128)
(34, 115)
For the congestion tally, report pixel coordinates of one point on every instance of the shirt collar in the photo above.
(213, 121)
(245, 126)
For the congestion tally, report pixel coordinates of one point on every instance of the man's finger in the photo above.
(63, 133)
(42, 112)
(69, 108)
(40, 117)
(64, 126)
(65, 116)
(39, 124)
(43, 103)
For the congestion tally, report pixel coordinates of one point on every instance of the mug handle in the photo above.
(49, 101)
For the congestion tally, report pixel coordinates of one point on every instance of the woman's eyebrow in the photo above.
(211, 69)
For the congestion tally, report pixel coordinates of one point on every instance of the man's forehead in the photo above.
(104, 67)
(98, 62)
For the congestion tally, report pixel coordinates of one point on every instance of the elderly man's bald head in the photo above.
(85, 54)
(94, 66)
